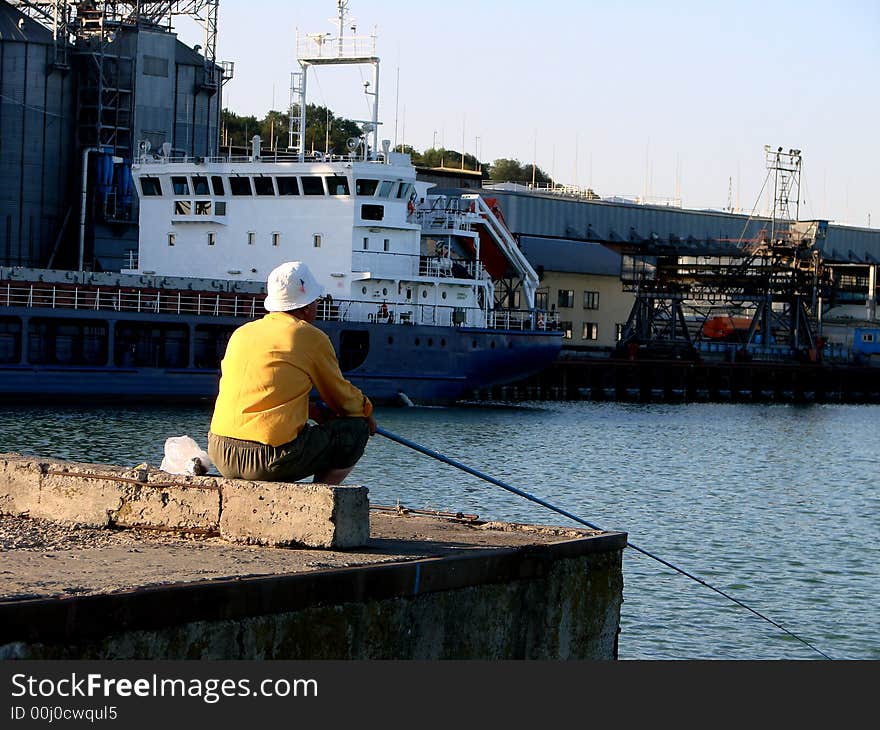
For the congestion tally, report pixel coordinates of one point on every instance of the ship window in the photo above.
(203, 207)
(337, 185)
(212, 238)
(385, 188)
(142, 344)
(263, 186)
(867, 337)
(366, 186)
(200, 185)
(366, 243)
(403, 190)
(384, 292)
(317, 240)
(424, 293)
(386, 244)
(251, 238)
(180, 185)
(354, 346)
(287, 186)
(372, 212)
(69, 342)
(171, 239)
(220, 207)
(182, 207)
(443, 295)
(276, 238)
(217, 184)
(151, 186)
(10, 339)
(312, 186)
(240, 185)
(209, 345)
(395, 190)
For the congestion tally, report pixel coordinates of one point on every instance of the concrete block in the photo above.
(178, 507)
(281, 514)
(19, 484)
(75, 493)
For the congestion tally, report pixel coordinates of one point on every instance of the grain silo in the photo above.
(84, 84)
(37, 113)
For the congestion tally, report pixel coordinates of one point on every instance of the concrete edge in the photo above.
(71, 619)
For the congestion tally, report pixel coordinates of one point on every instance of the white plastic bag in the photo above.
(183, 456)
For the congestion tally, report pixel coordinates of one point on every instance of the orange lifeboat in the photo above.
(722, 328)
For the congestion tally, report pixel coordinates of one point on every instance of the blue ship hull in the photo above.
(427, 364)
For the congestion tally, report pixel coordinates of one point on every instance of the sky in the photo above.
(633, 98)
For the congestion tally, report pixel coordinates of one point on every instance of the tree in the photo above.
(509, 170)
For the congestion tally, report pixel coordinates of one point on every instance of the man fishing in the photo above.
(260, 427)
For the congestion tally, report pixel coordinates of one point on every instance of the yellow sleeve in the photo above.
(340, 395)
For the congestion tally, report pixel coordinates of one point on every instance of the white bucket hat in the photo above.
(291, 286)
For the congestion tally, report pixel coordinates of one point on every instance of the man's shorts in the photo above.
(337, 444)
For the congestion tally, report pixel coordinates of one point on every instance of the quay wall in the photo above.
(685, 381)
(556, 601)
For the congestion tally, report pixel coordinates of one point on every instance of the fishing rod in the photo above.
(532, 498)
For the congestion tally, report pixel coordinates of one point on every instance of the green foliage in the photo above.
(274, 130)
(506, 170)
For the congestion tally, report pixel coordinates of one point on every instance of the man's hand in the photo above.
(371, 422)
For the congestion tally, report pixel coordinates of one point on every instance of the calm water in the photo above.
(774, 504)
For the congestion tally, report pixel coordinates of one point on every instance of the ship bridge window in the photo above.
(151, 186)
(203, 207)
(200, 185)
(263, 186)
(240, 186)
(403, 190)
(182, 207)
(372, 212)
(385, 188)
(312, 186)
(365, 187)
(287, 186)
(217, 185)
(180, 185)
(337, 185)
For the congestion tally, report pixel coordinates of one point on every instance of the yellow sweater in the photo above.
(267, 374)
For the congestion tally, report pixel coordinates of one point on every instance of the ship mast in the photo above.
(315, 49)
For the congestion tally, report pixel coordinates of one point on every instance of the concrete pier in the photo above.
(419, 587)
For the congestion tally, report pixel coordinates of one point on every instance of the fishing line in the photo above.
(497, 482)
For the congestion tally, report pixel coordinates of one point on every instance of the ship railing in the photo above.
(271, 156)
(204, 304)
(141, 301)
(401, 265)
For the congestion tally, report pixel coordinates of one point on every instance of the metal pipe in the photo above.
(82, 206)
(532, 498)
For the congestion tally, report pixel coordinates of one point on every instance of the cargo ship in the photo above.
(430, 297)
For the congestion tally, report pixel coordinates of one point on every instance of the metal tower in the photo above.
(88, 30)
(763, 293)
